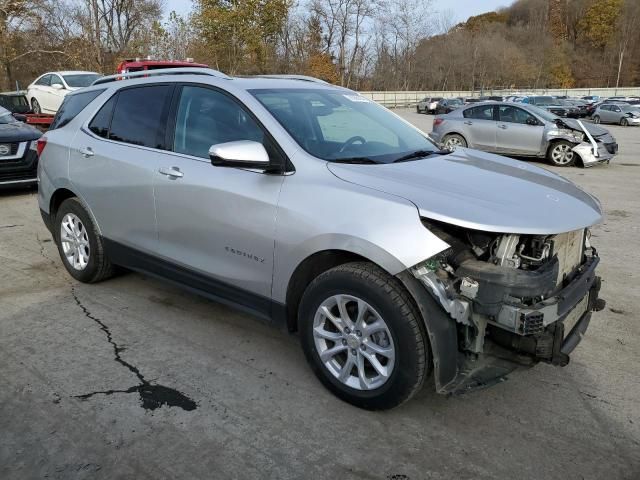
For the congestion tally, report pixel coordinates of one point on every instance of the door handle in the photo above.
(86, 152)
(468, 122)
(171, 172)
(503, 127)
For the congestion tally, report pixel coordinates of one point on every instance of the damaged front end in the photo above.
(516, 299)
(596, 146)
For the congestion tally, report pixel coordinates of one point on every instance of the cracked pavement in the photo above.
(134, 378)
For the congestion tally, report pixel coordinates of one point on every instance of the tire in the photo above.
(400, 335)
(96, 266)
(417, 109)
(453, 141)
(596, 119)
(560, 154)
(35, 106)
(624, 122)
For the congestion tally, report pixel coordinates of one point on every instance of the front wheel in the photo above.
(596, 119)
(453, 141)
(362, 336)
(35, 106)
(561, 154)
(81, 248)
(624, 122)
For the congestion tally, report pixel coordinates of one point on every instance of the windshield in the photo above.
(544, 114)
(81, 79)
(344, 126)
(455, 101)
(6, 117)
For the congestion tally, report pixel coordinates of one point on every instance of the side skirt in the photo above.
(196, 282)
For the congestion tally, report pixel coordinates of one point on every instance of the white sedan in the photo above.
(46, 93)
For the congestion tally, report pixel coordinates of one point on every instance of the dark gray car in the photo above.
(524, 130)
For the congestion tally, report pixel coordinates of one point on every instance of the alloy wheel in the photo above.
(562, 154)
(353, 342)
(452, 143)
(75, 241)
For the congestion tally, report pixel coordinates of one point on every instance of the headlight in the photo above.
(577, 136)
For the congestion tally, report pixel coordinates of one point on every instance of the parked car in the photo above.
(18, 157)
(523, 130)
(428, 105)
(621, 114)
(259, 192)
(469, 100)
(447, 105)
(46, 93)
(551, 104)
(591, 98)
(581, 106)
(15, 102)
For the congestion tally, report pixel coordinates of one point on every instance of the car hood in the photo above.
(18, 132)
(593, 129)
(481, 191)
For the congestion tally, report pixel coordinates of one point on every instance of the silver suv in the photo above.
(323, 212)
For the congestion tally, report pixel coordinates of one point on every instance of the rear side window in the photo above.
(71, 106)
(102, 121)
(140, 115)
(484, 112)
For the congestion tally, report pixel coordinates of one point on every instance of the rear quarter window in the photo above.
(71, 106)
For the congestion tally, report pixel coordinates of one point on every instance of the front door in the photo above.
(217, 222)
(518, 132)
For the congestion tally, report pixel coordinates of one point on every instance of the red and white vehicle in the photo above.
(138, 65)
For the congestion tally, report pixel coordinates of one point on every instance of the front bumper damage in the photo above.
(592, 152)
(495, 332)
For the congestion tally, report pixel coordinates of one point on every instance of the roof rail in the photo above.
(160, 72)
(304, 78)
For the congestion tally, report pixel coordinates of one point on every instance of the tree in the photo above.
(240, 35)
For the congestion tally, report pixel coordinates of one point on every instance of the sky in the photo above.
(461, 9)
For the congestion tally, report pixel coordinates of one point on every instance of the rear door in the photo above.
(218, 222)
(479, 127)
(114, 158)
(515, 135)
(40, 91)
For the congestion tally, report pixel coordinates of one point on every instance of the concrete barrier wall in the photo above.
(404, 99)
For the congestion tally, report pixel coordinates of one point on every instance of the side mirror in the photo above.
(57, 86)
(240, 154)
(532, 121)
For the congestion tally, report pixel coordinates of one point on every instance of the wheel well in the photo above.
(57, 198)
(304, 274)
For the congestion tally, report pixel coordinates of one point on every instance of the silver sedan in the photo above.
(526, 131)
(622, 114)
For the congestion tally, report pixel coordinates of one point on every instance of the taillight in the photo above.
(42, 142)
(437, 121)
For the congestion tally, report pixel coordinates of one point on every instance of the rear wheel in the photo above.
(624, 122)
(35, 106)
(80, 247)
(596, 119)
(453, 141)
(417, 109)
(561, 154)
(362, 336)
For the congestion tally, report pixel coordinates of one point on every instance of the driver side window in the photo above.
(207, 117)
(515, 115)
